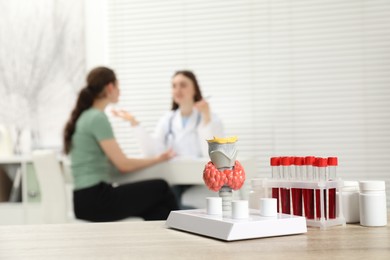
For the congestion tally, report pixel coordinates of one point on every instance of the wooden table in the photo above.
(152, 240)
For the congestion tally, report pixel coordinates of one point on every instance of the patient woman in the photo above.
(89, 139)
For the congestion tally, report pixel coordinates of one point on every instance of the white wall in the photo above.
(95, 33)
(288, 77)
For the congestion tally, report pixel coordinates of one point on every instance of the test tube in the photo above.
(308, 194)
(296, 193)
(285, 192)
(275, 168)
(332, 165)
(321, 164)
(292, 166)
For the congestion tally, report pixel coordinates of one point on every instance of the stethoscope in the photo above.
(170, 136)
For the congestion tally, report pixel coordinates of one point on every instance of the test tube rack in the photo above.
(323, 221)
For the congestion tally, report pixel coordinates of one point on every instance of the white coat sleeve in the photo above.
(205, 132)
(151, 145)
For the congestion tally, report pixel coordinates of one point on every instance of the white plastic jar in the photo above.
(372, 197)
(350, 201)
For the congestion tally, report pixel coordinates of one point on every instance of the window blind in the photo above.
(287, 77)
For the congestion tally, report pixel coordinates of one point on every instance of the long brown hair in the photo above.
(191, 76)
(97, 79)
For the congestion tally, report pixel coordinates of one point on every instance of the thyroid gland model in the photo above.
(224, 173)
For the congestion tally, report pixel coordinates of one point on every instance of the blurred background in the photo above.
(289, 78)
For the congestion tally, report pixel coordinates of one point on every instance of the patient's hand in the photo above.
(125, 115)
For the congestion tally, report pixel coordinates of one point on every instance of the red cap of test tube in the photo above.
(275, 161)
(315, 163)
(299, 161)
(309, 160)
(292, 160)
(322, 162)
(332, 161)
(286, 161)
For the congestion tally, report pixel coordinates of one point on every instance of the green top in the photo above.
(90, 165)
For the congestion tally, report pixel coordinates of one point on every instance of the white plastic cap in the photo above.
(214, 205)
(372, 185)
(268, 207)
(240, 209)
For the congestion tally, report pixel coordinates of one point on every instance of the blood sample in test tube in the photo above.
(292, 167)
(321, 164)
(295, 192)
(285, 192)
(308, 194)
(275, 166)
(332, 165)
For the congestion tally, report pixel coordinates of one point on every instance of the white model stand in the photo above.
(229, 229)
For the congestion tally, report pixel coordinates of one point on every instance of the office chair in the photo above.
(52, 187)
(55, 205)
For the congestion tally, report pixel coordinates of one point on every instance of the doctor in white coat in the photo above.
(184, 129)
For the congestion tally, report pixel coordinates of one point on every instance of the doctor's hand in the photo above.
(125, 115)
(203, 107)
(167, 155)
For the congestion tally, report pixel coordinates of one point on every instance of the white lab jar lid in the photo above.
(367, 186)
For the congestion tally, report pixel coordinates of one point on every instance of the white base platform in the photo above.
(225, 228)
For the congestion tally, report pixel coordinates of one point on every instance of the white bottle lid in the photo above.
(372, 186)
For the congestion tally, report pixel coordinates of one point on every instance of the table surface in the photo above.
(153, 240)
